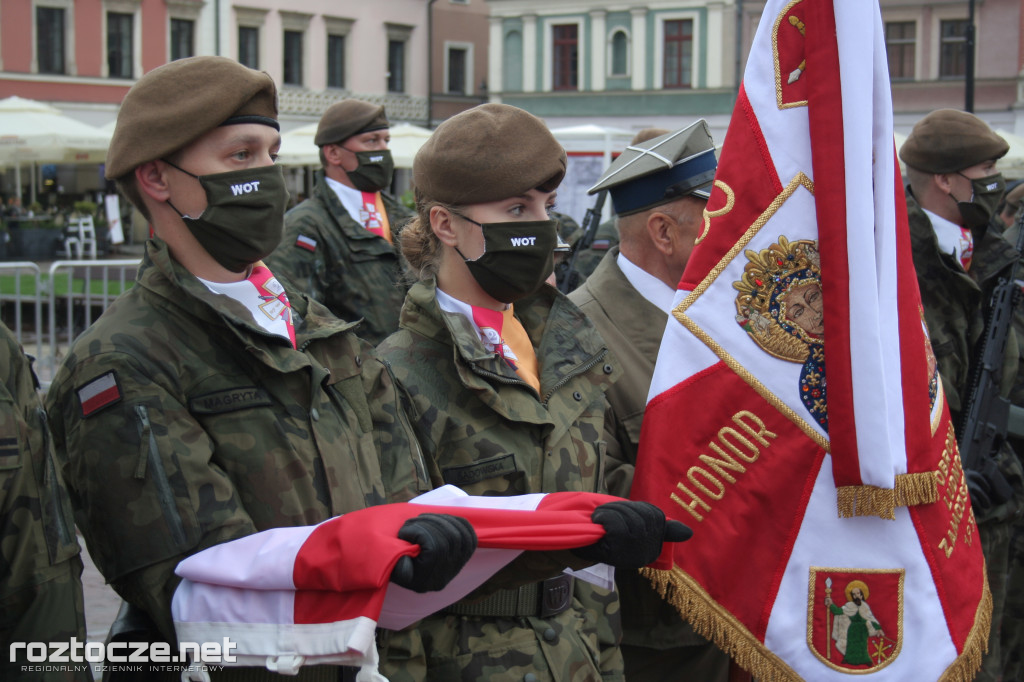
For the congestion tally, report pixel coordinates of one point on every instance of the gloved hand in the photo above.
(634, 533)
(446, 544)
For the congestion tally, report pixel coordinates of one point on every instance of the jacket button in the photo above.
(359, 361)
(577, 395)
(608, 369)
(315, 414)
(550, 635)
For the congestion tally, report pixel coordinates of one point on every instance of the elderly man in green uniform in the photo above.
(210, 402)
(339, 245)
(40, 568)
(660, 211)
(954, 189)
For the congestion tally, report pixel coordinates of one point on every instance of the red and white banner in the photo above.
(832, 528)
(314, 595)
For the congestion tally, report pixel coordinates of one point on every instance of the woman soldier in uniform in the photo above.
(506, 379)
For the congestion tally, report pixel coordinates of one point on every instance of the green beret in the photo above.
(175, 104)
(949, 140)
(349, 117)
(488, 153)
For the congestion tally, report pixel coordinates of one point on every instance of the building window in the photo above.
(565, 52)
(953, 48)
(619, 54)
(182, 38)
(50, 39)
(119, 44)
(457, 63)
(512, 62)
(396, 66)
(678, 53)
(335, 61)
(249, 46)
(292, 58)
(900, 44)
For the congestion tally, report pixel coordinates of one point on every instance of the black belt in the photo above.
(544, 599)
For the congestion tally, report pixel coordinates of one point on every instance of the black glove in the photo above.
(446, 544)
(634, 533)
(987, 486)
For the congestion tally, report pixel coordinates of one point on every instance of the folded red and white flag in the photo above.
(795, 419)
(314, 595)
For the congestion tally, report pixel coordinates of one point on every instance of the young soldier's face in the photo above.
(223, 149)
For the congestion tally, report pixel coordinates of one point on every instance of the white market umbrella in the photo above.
(32, 131)
(1012, 165)
(406, 140)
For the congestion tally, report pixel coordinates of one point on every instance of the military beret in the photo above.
(661, 169)
(1014, 196)
(177, 103)
(349, 117)
(488, 153)
(948, 140)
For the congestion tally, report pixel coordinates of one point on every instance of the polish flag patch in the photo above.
(307, 243)
(99, 393)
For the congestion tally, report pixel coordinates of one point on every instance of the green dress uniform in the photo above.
(656, 643)
(955, 304)
(209, 429)
(326, 254)
(40, 566)
(487, 431)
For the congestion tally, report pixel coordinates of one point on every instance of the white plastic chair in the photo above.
(81, 235)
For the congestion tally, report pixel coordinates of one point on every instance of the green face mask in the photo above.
(986, 193)
(518, 257)
(244, 216)
(374, 172)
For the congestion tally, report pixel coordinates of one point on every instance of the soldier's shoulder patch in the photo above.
(600, 244)
(304, 242)
(98, 393)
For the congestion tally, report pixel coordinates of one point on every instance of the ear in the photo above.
(151, 178)
(943, 181)
(659, 229)
(442, 225)
(332, 153)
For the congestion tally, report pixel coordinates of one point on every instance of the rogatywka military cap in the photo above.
(177, 103)
(948, 140)
(661, 169)
(349, 117)
(488, 153)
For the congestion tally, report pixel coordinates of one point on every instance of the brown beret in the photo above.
(349, 117)
(948, 140)
(177, 103)
(488, 153)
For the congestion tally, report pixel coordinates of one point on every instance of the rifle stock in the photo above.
(591, 221)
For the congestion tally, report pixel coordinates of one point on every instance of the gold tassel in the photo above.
(968, 663)
(718, 625)
(911, 489)
(866, 500)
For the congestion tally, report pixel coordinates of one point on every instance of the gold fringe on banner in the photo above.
(714, 622)
(967, 664)
(870, 500)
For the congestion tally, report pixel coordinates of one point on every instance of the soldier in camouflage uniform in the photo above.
(40, 568)
(339, 245)
(953, 191)
(208, 403)
(505, 377)
(661, 213)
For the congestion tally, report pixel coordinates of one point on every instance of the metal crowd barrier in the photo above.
(81, 289)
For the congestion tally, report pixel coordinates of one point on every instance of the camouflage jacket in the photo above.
(632, 326)
(488, 432)
(208, 429)
(341, 264)
(955, 302)
(40, 568)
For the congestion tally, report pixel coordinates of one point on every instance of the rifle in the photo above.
(591, 220)
(986, 418)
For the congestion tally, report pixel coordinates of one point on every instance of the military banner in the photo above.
(795, 419)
